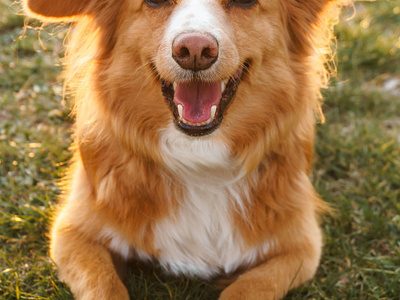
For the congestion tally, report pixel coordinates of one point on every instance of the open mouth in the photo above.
(198, 106)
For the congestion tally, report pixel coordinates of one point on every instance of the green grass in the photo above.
(356, 168)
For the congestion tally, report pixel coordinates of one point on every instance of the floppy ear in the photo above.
(56, 10)
(314, 7)
(305, 16)
(307, 10)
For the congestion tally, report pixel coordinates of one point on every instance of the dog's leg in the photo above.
(85, 266)
(272, 279)
(83, 260)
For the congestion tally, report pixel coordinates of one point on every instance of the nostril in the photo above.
(208, 53)
(183, 53)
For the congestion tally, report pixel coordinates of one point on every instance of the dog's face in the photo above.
(217, 64)
(226, 68)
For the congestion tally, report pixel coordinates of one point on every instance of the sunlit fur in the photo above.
(238, 199)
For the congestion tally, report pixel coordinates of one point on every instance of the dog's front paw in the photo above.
(248, 290)
(92, 286)
(106, 292)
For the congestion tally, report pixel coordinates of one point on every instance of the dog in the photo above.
(193, 141)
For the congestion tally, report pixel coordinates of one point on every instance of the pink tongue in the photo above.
(197, 97)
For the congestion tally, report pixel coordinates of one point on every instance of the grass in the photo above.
(356, 169)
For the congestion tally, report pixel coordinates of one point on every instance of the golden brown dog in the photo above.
(195, 125)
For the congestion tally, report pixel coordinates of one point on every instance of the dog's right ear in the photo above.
(57, 10)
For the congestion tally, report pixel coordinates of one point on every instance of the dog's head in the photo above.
(242, 70)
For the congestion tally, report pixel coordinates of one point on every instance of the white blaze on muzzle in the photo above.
(195, 15)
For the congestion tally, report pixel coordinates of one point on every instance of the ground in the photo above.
(356, 166)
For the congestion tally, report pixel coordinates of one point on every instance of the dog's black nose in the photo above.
(195, 51)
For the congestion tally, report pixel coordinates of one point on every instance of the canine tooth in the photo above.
(213, 110)
(180, 110)
(175, 84)
(223, 85)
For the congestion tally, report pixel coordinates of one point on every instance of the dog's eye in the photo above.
(243, 3)
(156, 3)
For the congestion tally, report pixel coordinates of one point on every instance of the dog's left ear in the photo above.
(304, 16)
(309, 10)
(314, 6)
(57, 10)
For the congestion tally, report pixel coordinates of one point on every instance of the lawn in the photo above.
(356, 166)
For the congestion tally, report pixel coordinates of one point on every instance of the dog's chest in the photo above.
(200, 239)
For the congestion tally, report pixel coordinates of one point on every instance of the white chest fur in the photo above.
(201, 239)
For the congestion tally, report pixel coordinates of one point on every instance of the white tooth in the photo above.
(180, 110)
(175, 84)
(213, 110)
(223, 85)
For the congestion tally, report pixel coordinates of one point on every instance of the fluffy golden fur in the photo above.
(123, 184)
